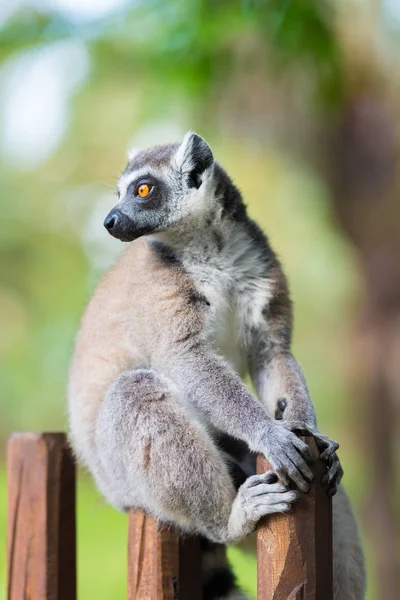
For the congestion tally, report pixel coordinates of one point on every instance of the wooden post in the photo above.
(41, 540)
(294, 551)
(161, 566)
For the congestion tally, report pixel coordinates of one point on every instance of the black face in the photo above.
(143, 210)
(150, 203)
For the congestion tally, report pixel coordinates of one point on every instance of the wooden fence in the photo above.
(294, 551)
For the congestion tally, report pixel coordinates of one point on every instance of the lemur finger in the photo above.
(282, 467)
(281, 472)
(338, 474)
(268, 477)
(282, 508)
(266, 509)
(329, 449)
(334, 475)
(303, 449)
(264, 488)
(300, 464)
(333, 488)
(271, 499)
(296, 476)
(289, 497)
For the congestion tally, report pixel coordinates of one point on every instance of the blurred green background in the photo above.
(299, 102)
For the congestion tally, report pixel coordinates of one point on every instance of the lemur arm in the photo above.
(209, 384)
(276, 375)
(279, 379)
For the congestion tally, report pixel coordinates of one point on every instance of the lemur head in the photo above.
(167, 187)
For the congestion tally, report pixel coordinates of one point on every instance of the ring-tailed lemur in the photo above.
(158, 410)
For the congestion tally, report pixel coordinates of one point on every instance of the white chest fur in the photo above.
(235, 285)
(224, 326)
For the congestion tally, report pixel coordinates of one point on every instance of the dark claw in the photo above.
(272, 478)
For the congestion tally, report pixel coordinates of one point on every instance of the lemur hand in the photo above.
(327, 447)
(288, 455)
(334, 472)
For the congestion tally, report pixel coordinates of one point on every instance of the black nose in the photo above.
(111, 220)
(120, 226)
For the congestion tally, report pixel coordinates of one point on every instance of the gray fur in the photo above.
(149, 406)
(156, 394)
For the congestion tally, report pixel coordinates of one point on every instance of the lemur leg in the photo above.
(150, 455)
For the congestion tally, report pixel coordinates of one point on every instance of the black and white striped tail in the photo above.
(219, 581)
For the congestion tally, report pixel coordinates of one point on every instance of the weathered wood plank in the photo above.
(294, 551)
(160, 565)
(41, 543)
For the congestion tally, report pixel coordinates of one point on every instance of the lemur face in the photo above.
(161, 188)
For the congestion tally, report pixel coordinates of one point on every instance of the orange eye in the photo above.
(143, 190)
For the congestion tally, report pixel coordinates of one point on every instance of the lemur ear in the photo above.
(194, 156)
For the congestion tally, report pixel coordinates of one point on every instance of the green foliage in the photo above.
(302, 32)
(189, 46)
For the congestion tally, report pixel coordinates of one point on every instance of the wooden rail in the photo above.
(160, 564)
(294, 551)
(41, 541)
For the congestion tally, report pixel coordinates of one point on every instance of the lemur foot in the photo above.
(263, 495)
(328, 455)
(258, 496)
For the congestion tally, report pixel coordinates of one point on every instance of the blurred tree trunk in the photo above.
(363, 161)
